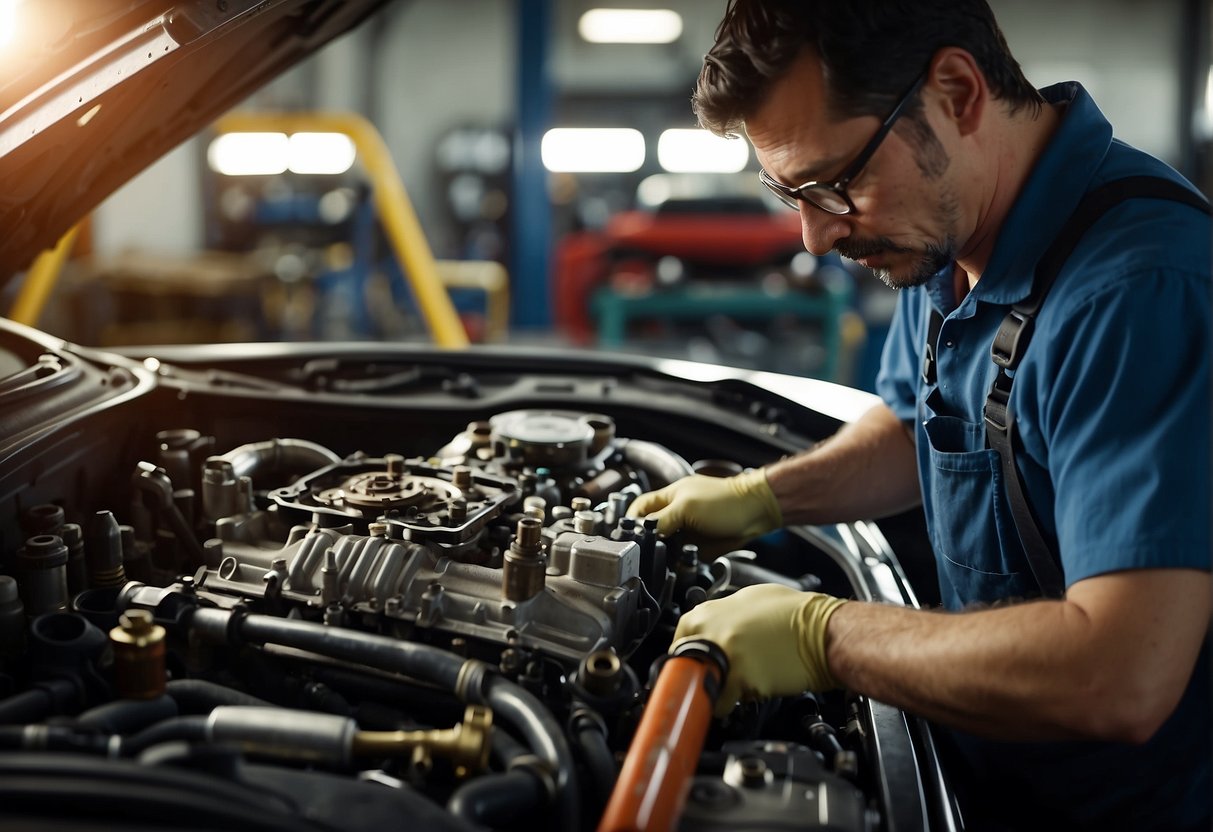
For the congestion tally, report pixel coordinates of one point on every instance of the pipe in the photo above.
(33, 705)
(512, 703)
(661, 761)
(497, 800)
(198, 696)
(125, 716)
(661, 464)
(589, 738)
(41, 279)
(187, 728)
(289, 454)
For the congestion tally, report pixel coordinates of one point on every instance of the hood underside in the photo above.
(96, 90)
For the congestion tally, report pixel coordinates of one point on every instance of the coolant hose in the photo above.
(662, 465)
(497, 800)
(589, 739)
(664, 754)
(36, 704)
(514, 705)
(198, 696)
(125, 716)
(186, 728)
(284, 454)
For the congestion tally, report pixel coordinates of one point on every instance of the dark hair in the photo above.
(871, 52)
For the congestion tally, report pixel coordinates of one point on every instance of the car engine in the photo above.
(276, 633)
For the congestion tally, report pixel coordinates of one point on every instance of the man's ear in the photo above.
(959, 87)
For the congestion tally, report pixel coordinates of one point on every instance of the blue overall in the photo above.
(1112, 404)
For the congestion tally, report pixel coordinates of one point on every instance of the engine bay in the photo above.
(284, 631)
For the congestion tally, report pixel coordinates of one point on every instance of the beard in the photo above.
(934, 255)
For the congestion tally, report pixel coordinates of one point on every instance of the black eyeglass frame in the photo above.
(791, 196)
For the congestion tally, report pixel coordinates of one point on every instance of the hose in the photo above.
(662, 465)
(418, 660)
(187, 728)
(125, 716)
(589, 738)
(496, 800)
(285, 454)
(198, 696)
(29, 706)
(514, 705)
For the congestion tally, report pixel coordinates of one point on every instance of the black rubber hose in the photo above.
(198, 696)
(506, 749)
(512, 703)
(598, 759)
(50, 696)
(418, 660)
(187, 728)
(543, 734)
(126, 716)
(28, 706)
(70, 791)
(496, 800)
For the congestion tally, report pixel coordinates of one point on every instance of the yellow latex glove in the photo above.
(739, 507)
(774, 637)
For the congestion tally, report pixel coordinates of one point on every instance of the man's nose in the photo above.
(821, 230)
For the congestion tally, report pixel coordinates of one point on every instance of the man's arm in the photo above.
(865, 470)
(1110, 661)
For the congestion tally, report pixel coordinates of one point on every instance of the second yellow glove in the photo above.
(774, 637)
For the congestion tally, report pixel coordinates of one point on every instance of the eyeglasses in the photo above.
(831, 197)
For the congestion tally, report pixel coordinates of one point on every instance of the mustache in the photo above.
(855, 249)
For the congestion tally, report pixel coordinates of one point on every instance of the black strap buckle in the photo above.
(1011, 339)
(997, 402)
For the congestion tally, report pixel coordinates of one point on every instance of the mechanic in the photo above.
(909, 140)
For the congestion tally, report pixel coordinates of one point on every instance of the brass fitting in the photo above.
(138, 644)
(466, 745)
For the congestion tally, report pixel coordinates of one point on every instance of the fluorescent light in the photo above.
(269, 154)
(249, 154)
(630, 26)
(8, 21)
(321, 153)
(698, 151)
(592, 150)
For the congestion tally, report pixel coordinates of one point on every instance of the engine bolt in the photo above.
(523, 568)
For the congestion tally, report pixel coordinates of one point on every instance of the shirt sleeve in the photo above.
(1126, 418)
(897, 380)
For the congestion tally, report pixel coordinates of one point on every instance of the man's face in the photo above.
(906, 220)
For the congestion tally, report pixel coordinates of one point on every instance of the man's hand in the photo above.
(740, 507)
(774, 637)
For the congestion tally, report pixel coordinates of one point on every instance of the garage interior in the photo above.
(469, 103)
(336, 444)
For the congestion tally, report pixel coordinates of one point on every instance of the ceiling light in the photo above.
(698, 151)
(630, 26)
(321, 153)
(592, 150)
(249, 154)
(8, 21)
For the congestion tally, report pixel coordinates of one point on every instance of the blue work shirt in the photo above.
(1112, 404)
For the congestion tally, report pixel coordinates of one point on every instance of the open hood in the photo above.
(94, 91)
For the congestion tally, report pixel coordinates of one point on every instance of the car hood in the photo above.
(94, 91)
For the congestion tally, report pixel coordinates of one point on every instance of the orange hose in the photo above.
(656, 776)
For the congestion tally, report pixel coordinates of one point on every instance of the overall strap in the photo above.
(1012, 340)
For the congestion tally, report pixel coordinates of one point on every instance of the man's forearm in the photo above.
(1108, 663)
(866, 470)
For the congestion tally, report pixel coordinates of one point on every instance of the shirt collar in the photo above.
(1052, 191)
